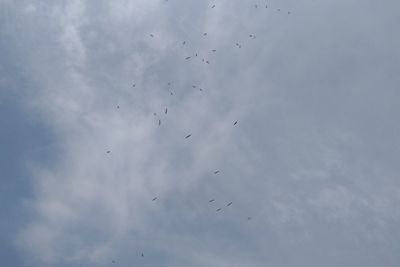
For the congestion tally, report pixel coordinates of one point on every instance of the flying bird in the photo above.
(196, 54)
(151, 35)
(117, 107)
(142, 255)
(184, 42)
(211, 200)
(216, 172)
(230, 203)
(154, 199)
(213, 6)
(235, 123)
(248, 218)
(187, 136)
(166, 110)
(108, 152)
(159, 122)
(208, 62)
(134, 85)
(214, 50)
(187, 57)
(219, 209)
(204, 34)
(194, 86)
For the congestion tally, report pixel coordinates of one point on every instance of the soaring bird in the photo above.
(151, 35)
(117, 107)
(208, 62)
(134, 85)
(108, 152)
(214, 50)
(216, 172)
(204, 34)
(235, 123)
(166, 110)
(154, 199)
(142, 255)
(187, 57)
(159, 122)
(219, 209)
(213, 6)
(194, 86)
(184, 42)
(230, 203)
(211, 200)
(248, 218)
(187, 136)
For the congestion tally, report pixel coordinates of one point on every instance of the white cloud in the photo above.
(300, 160)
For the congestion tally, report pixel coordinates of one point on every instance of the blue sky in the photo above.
(313, 159)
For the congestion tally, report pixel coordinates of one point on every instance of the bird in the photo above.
(194, 86)
(134, 85)
(211, 200)
(187, 136)
(142, 255)
(256, 6)
(235, 123)
(154, 199)
(208, 62)
(201, 89)
(248, 218)
(204, 34)
(184, 42)
(196, 54)
(159, 122)
(113, 261)
(169, 83)
(216, 172)
(118, 107)
(166, 110)
(230, 203)
(187, 58)
(219, 209)
(214, 50)
(213, 6)
(108, 152)
(151, 35)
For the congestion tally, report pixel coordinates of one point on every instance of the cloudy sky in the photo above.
(311, 167)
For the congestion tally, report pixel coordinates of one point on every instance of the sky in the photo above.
(97, 99)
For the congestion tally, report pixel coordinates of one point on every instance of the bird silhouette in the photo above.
(230, 203)
(187, 136)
